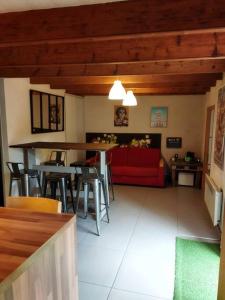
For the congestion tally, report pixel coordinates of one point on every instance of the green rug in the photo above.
(197, 270)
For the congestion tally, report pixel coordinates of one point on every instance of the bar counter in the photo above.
(37, 256)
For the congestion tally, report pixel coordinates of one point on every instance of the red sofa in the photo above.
(138, 166)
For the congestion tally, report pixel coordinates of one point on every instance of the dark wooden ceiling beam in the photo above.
(137, 37)
(135, 68)
(132, 86)
(112, 19)
(141, 91)
(187, 47)
(86, 80)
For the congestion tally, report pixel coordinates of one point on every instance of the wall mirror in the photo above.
(47, 112)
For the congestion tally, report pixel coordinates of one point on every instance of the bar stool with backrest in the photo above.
(94, 161)
(58, 158)
(109, 172)
(62, 180)
(90, 178)
(18, 173)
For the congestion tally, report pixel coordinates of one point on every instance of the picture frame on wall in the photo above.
(174, 142)
(47, 112)
(220, 130)
(121, 116)
(159, 117)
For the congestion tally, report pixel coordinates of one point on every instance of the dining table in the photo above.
(30, 158)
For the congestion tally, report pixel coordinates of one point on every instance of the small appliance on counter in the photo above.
(175, 157)
(189, 157)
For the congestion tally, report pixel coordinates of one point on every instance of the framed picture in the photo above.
(159, 116)
(174, 142)
(54, 114)
(121, 115)
(220, 130)
(47, 112)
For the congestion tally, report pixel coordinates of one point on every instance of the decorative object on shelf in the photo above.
(123, 139)
(174, 142)
(121, 115)
(220, 129)
(47, 112)
(159, 116)
(143, 143)
(117, 91)
(175, 157)
(106, 139)
(130, 99)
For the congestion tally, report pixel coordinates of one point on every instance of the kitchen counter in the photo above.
(37, 255)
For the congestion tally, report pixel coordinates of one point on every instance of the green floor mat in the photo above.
(197, 270)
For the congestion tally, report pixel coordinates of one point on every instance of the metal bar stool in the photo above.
(94, 161)
(57, 158)
(109, 173)
(22, 177)
(90, 178)
(63, 180)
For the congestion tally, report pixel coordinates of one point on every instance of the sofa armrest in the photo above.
(161, 163)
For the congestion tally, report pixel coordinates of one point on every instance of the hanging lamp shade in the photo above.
(117, 91)
(130, 99)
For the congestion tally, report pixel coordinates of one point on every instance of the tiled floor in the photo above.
(134, 258)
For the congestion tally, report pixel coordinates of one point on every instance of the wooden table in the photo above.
(29, 155)
(187, 167)
(37, 255)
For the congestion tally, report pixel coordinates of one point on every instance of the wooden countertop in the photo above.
(22, 233)
(66, 146)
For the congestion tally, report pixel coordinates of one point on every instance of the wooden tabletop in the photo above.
(66, 146)
(22, 233)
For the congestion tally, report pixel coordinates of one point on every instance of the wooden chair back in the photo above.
(37, 204)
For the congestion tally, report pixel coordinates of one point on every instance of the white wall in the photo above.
(74, 125)
(17, 102)
(216, 173)
(185, 119)
(18, 117)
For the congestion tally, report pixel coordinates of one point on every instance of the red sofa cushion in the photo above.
(135, 171)
(119, 156)
(143, 157)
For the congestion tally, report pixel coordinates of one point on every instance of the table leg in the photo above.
(103, 172)
(29, 158)
(25, 185)
(173, 175)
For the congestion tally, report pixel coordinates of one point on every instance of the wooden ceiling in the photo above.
(175, 47)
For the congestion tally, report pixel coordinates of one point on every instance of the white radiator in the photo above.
(213, 200)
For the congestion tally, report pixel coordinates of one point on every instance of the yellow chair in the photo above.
(37, 204)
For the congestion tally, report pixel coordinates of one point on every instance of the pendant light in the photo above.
(130, 99)
(117, 91)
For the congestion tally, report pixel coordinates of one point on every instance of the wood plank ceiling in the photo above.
(171, 47)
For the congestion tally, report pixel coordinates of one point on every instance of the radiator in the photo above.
(213, 200)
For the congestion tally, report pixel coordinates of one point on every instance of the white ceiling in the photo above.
(22, 5)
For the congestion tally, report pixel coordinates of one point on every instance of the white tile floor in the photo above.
(134, 258)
